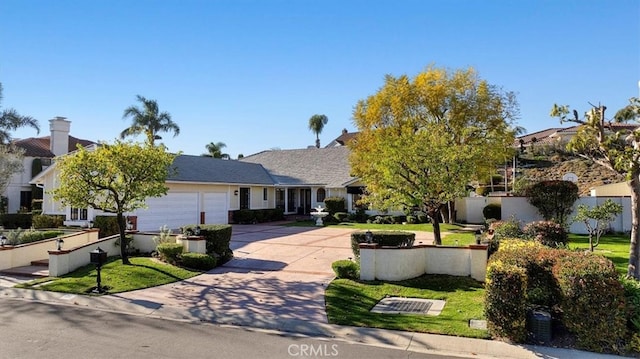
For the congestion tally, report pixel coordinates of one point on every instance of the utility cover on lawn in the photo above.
(400, 305)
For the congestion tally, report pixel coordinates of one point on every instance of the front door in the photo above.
(245, 195)
(305, 200)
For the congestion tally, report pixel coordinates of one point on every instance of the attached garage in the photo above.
(174, 210)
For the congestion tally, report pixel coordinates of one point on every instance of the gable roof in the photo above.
(327, 166)
(215, 170)
(41, 146)
(343, 139)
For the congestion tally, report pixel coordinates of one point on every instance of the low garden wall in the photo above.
(24, 254)
(393, 264)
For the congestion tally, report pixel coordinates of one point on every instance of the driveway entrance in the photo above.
(277, 272)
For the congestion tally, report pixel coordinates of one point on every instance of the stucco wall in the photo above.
(395, 264)
(23, 255)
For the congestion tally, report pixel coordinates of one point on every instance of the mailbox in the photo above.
(98, 256)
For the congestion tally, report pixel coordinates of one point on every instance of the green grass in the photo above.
(349, 302)
(612, 246)
(424, 227)
(143, 272)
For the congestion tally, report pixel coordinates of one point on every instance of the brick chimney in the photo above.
(59, 127)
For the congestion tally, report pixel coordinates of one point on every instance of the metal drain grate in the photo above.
(398, 305)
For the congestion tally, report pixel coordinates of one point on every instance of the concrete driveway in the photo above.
(276, 271)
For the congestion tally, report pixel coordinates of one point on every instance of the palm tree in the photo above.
(148, 121)
(10, 120)
(215, 150)
(316, 124)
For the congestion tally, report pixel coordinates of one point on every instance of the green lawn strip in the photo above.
(612, 246)
(349, 302)
(424, 227)
(144, 272)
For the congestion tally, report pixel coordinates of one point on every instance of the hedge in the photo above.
(218, 238)
(15, 220)
(592, 301)
(198, 261)
(170, 252)
(492, 211)
(246, 216)
(346, 269)
(383, 238)
(505, 301)
(47, 221)
(108, 225)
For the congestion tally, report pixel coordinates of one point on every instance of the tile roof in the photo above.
(327, 166)
(40, 146)
(215, 170)
(344, 138)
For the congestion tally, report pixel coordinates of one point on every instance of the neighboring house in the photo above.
(343, 139)
(206, 190)
(39, 152)
(620, 189)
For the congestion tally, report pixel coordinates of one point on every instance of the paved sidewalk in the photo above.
(276, 281)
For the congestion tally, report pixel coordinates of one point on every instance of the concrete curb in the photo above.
(410, 341)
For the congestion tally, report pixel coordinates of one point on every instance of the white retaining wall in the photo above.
(393, 264)
(24, 254)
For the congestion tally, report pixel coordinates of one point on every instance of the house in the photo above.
(304, 178)
(206, 190)
(38, 155)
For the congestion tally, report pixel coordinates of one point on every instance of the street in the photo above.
(41, 330)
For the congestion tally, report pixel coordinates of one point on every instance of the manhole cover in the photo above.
(398, 305)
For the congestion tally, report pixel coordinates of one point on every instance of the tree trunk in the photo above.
(122, 225)
(434, 215)
(633, 269)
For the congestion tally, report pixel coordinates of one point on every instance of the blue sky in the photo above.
(250, 73)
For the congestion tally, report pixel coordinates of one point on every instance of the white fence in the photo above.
(469, 210)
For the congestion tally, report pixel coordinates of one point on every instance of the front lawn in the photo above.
(613, 246)
(349, 302)
(144, 272)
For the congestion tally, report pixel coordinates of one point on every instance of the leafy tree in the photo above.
(10, 120)
(597, 219)
(422, 140)
(10, 163)
(553, 199)
(616, 148)
(149, 121)
(115, 178)
(316, 124)
(215, 150)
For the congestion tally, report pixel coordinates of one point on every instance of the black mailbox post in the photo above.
(98, 257)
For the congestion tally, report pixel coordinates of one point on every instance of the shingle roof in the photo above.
(313, 166)
(215, 170)
(40, 146)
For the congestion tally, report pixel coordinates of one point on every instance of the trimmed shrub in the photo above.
(505, 301)
(383, 238)
(170, 252)
(632, 295)
(500, 230)
(554, 199)
(341, 216)
(549, 233)
(198, 261)
(15, 220)
(335, 205)
(592, 301)
(246, 216)
(346, 269)
(47, 221)
(360, 216)
(218, 237)
(108, 225)
(492, 211)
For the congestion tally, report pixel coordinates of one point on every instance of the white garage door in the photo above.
(174, 210)
(215, 208)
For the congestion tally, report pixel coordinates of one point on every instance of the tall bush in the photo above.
(108, 225)
(218, 238)
(553, 199)
(492, 211)
(505, 301)
(549, 233)
(592, 301)
(335, 205)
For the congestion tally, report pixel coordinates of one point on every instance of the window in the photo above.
(79, 214)
(321, 194)
(25, 201)
(265, 194)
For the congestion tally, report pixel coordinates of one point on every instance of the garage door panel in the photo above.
(215, 207)
(174, 210)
